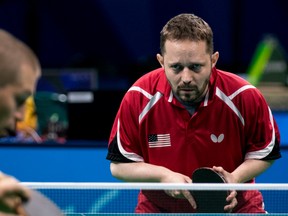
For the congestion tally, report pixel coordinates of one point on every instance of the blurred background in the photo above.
(121, 38)
(91, 51)
(107, 44)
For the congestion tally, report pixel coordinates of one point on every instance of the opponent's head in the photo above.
(19, 73)
(186, 44)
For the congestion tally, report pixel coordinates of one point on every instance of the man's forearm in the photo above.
(250, 169)
(138, 172)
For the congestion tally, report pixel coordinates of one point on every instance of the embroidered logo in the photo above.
(216, 139)
(159, 140)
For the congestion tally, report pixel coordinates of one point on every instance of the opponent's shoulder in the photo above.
(151, 81)
(231, 83)
(150, 77)
(239, 90)
(231, 79)
(143, 90)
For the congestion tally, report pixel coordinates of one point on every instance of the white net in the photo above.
(76, 199)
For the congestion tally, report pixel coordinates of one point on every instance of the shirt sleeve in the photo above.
(124, 144)
(263, 138)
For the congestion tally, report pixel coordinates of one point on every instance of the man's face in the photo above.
(188, 68)
(14, 95)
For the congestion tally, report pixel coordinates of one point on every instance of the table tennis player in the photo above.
(188, 114)
(19, 71)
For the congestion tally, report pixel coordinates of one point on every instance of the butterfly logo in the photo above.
(216, 139)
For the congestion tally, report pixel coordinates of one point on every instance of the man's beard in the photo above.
(198, 95)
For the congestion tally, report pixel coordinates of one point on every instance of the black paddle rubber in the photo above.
(209, 201)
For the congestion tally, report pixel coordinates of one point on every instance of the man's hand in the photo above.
(12, 196)
(180, 194)
(231, 198)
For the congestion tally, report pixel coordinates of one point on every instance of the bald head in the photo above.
(14, 55)
(19, 72)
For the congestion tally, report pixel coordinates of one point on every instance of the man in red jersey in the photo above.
(189, 114)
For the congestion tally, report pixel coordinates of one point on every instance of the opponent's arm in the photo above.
(246, 171)
(249, 169)
(144, 172)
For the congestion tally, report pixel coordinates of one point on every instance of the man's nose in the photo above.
(187, 76)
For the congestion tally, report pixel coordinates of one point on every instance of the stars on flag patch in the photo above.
(159, 140)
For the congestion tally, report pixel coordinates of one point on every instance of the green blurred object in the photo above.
(51, 109)
(269, 63)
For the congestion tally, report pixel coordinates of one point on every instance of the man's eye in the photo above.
(20, 101)
(195, 67)
(177, 67)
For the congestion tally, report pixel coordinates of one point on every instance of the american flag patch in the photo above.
(159, 140)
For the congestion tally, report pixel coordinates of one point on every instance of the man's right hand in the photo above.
(12, 196)
(180, 194)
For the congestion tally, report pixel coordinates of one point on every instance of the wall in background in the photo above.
(124, 42)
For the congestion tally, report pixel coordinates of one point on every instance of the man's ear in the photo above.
(160, 59)
(215, 57)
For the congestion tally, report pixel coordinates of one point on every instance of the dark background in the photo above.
(121, 37)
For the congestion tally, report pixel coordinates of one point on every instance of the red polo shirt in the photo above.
(232, 124)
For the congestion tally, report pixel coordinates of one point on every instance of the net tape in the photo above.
(155, 186)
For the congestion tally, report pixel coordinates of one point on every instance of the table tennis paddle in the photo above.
(40, 205)
(37, 205)
(209, 201)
